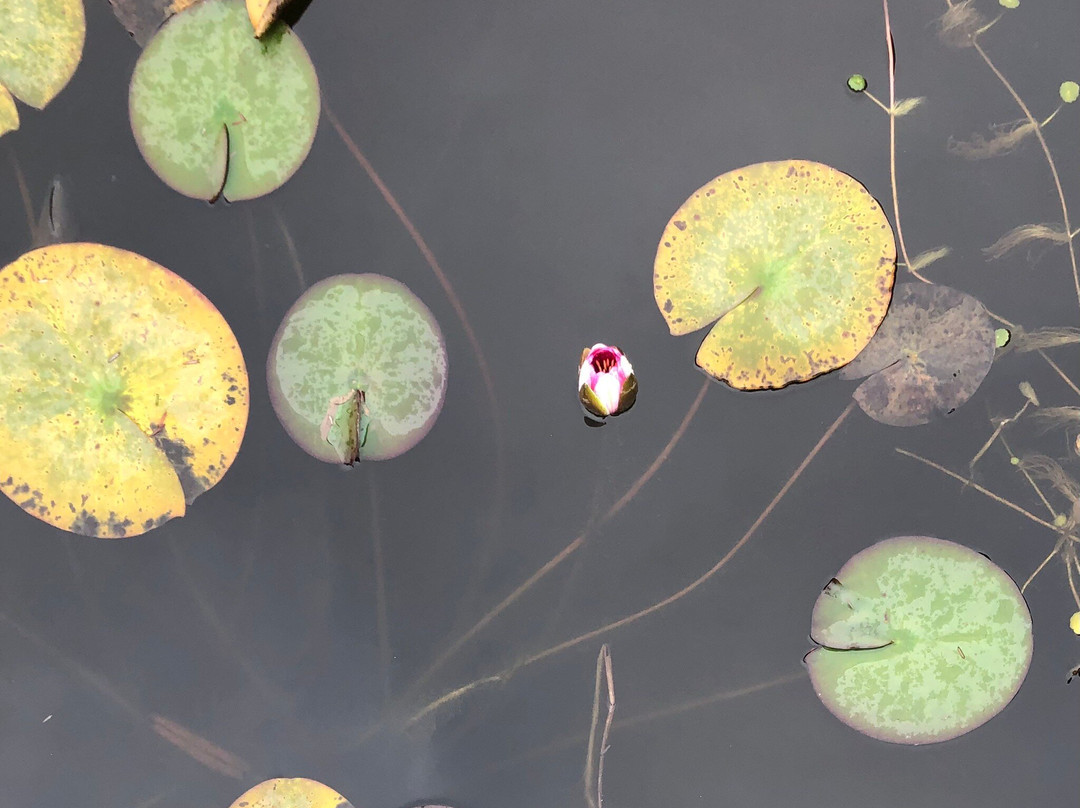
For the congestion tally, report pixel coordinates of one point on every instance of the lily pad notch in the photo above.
(218, 113)
(794, 262)
(125, 395)
(920, 640)
(357, 369)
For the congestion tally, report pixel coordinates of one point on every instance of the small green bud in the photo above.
(1060, 520)
(1069, 91)
(856, 83)
(1002, 337)
(1014, 460)
(1009, 3)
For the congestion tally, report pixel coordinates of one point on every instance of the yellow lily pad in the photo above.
(9, 115)
(41, 44)
(125, 393)
(262, 14)
(290, 792)
(795, 260)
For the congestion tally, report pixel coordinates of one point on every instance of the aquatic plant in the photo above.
(920, 640)
(794, 259)
(125, 392)
(357, 369)
(41, 44)
(216, 112)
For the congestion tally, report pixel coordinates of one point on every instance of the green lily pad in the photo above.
(794, 259)
(929, 356)
(357, 369)
(41, 44)
(216, 111)
(125, 393)
(920, 640)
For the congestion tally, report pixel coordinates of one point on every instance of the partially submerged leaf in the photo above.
(142, 18)
(357, 369)
(262, 14)
(125, 393)
(1023, 233)
(55, 224)
(217, 112)
(794, 259)
(920, 640)
(41, 43)
(290, 792)
(930, 355)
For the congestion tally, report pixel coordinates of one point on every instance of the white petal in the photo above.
(608, 389)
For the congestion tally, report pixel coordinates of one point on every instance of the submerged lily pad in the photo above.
(142, 18)
(125, 393)
(921, 640)
(41, 44)
(929, 356)
(794, 259)
(290, 792)
(357, 369)
(217, 112)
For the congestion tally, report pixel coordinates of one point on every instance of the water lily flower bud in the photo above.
(606, 381)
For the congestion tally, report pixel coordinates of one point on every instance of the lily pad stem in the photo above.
(1046, 152)
(686, 590)
(569, 549)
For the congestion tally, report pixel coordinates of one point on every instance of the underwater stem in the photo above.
(984, 491)
(1046, 152)
(686, 590)
(572, 547)
(892, 142)
(24, 192)
(382, 621)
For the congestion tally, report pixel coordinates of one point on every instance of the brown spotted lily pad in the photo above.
(920, 640)
(795, 262)
(125, 394)
(290, 792)
(929, 356)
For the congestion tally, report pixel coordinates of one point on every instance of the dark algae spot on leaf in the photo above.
(180, 456)
(930, 355)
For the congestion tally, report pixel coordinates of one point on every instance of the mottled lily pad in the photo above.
(357, 369)
(795, 260)
(125, 393)
(41, 44)
(921, 640)
(929, 356)
(290, 792)
(216, 111)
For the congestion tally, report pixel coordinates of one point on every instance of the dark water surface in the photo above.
(540, 148)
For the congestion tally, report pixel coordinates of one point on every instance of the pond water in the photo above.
(539, 149)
